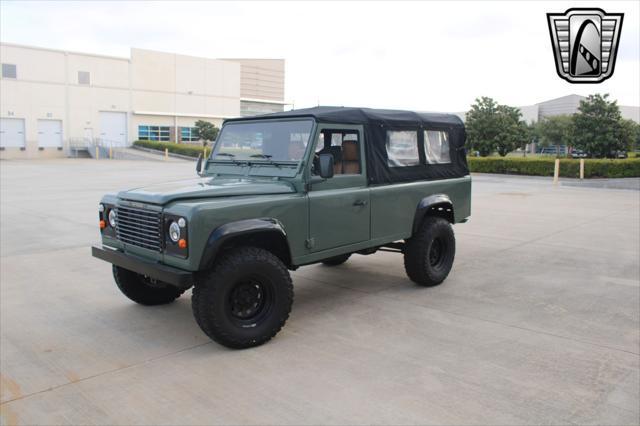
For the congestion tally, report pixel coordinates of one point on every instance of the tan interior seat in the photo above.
(350, 158)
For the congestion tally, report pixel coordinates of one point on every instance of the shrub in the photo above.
(175, 148)
(593, 168)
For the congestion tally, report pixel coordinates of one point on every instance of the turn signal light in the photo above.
(103, 224)
(182, 243)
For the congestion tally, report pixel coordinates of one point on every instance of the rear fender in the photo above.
(433, 205)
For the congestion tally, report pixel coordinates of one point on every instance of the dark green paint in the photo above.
(321, 219)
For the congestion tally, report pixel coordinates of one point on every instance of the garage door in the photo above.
(12, 132)
(113, 128)
(49, 133)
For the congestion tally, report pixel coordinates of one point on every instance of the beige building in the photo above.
(52, 100)
(567, 105)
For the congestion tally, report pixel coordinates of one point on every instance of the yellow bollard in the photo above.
(110, 153)
(166, 154)
(582, 168)
(556, 171)
(97, 153)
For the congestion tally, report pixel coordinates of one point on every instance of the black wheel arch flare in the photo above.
(244, 229)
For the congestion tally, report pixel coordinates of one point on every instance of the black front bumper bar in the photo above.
(158, 271)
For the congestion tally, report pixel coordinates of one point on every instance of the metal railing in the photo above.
(98, 148)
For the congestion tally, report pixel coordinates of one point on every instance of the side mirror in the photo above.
(326, 166)
(199, 164)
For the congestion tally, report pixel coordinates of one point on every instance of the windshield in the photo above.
(271, 141)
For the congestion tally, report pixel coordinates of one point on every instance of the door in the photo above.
(339, 207)
(49, 134)
(88, 136)
(113, 128)
(12, 133)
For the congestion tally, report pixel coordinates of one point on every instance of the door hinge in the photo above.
(310, 243)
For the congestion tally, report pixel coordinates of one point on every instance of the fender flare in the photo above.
(230, 230)
(425, 204)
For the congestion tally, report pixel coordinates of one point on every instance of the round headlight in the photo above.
(112, 218)
(101, 208)
(174, 232)
(182, 223)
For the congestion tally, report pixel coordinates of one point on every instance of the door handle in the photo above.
(360, 203)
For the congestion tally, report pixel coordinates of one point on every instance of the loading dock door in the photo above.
(12, 132)
(49, 134)
(113, 128)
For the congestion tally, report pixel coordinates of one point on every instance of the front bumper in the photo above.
(158, 271)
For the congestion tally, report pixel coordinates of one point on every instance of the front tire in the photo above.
(245, 299)
(144, 290)
(429, 253)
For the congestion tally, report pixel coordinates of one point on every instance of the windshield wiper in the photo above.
(266, 157)
(232, 156)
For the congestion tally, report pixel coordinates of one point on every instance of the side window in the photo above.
(436, 147)
(344, 145)
(402, 148)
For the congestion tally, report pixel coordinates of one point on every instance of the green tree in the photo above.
(630, 135)
(206, 131)
(513, 130)
(598, 126)
(556, 130)
(493, 127)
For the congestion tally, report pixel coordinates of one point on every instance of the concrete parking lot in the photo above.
(538, 323)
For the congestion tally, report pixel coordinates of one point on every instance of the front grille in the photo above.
(139, 227)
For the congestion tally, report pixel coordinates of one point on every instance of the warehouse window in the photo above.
(154, 133)
(436, 147)
(189, 134)
(84, 77)
(402, 148)
(9, 71)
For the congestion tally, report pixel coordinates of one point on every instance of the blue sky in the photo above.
(434, 56)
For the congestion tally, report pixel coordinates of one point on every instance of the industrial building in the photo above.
(567, 105)
(52, 100)
(564, 105)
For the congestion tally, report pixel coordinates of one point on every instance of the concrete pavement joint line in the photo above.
(377, 294)
(45, 250)
(115, 370)
(524, 243)
(512, 326)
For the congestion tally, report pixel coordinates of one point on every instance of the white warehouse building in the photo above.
(51, 100)
(568, 105)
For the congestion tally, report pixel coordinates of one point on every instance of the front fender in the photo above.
(230, 230)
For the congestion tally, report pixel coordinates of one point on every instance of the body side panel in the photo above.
(393, 207)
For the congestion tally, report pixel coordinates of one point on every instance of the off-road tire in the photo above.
(215, 298)
(337, 260)
(141, 290)
(423, 265)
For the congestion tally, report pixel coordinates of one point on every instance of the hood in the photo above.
(205, 188)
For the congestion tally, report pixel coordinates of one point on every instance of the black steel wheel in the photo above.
(430, 252)
(245, 299)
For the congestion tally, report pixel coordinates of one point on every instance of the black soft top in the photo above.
(376, 123)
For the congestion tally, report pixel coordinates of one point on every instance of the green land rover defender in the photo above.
(284, 190)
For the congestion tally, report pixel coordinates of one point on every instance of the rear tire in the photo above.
(245, 299)
(144, 290)
(337, 260)
(429, 253)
